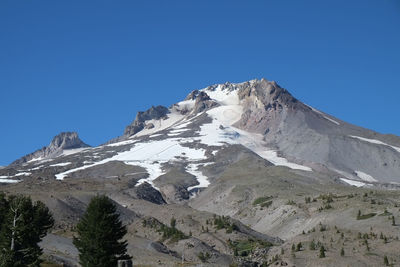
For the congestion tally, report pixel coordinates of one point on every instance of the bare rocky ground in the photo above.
(271, 208)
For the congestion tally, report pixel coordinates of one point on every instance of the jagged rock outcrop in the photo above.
(61, 142)
(147, 192)
(265, 105)
(153, 113)
(203, 102)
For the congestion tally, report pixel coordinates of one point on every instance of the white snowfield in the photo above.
(9, 181)
(152, 154)
(122, 143)
(161, 124)
(67, 152)
(352, 182)
(6, 180)
(366, 177)
(374, 141)
(23, 174)
(61, 164)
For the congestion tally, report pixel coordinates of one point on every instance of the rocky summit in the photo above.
(60, 143)
(253, 177)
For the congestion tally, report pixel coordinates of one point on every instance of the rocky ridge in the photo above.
(61, 142)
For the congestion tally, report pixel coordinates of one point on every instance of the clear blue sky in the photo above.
(89, 66)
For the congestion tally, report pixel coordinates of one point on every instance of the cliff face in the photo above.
(153, 113)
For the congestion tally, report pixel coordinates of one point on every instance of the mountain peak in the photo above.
(66, 140)
(62, 141)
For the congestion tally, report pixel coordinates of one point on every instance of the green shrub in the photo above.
(365, 216)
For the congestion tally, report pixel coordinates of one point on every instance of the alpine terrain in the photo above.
(245, 174)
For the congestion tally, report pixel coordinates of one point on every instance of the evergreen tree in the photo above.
(393, 221)
(24, 224)
(312, 245)
(359, 214)
(342, 252)
(386, 261)
(322, 252)
(173, 222)
(99, 232)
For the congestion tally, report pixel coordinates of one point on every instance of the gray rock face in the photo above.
(139, 124)
(303, 134)
(203, 102)
(61, 142)
(146, 192)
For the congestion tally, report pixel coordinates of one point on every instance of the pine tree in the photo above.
(312, 245)
(322, 252)
(173, 222)
(24, 224)
(393, 221)
(359, 214)
(342, 252)
(99, 232)
(386, 261)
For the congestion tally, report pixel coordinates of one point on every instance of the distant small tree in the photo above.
(173, 222)
(312, 245)
(203, 257)
(299, 246)
(99, 234)
(293, 247)
(342, 252)
(393, 221)
(322, 252)
(386, 261)
(359, 214)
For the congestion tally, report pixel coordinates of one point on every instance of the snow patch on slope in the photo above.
(60, 164)
(374, 141)
(218, 134)
(23, 174)
(150, 155)
(9, 181)
(67, 152)
(202, 179)
(366, 177)
(352, 182)
(160, 124)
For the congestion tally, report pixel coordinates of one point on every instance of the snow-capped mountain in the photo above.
(258, 116)
(274, 169)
